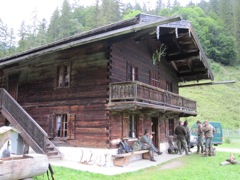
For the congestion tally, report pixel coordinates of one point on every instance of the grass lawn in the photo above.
(187, 167)
(230, 143)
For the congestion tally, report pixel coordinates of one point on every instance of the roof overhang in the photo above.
(184, 51)
(85, 38)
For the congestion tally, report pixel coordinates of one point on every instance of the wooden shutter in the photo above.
(136, 74)
(129, 72)
(125, 126)
(51, 126)
(71, 126)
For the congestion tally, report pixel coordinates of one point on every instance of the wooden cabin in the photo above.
(111, 82)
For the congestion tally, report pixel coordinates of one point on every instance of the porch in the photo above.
(110, 169)
(135, 95)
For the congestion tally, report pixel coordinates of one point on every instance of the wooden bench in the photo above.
(123, 159)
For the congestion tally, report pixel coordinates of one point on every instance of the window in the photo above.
(132, 128)
(154, 79)
(63, 76)
(171, 126)
(61, 125)
(132, 72)
(169, 86)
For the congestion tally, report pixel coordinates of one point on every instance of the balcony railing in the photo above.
(137, 92)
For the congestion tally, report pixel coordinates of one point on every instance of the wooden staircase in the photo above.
(30, 131)
(51, 151)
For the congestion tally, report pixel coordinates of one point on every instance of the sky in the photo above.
(13, 12)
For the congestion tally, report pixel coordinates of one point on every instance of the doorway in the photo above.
(155, 130)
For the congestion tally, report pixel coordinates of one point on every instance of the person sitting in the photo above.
(147, 144)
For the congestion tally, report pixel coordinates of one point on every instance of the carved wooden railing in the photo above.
(141, 92)
(31, 132)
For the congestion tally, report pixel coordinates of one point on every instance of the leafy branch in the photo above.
(159, 53)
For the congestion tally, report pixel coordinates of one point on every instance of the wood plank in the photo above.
(122, 161)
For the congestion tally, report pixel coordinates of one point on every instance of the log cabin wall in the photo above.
(140, 54)
(82, 101)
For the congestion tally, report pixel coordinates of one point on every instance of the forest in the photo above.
(215, 21)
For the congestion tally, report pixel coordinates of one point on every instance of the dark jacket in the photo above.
(187, 131)
(180, 131)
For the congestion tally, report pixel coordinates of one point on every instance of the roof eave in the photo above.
(78, 42)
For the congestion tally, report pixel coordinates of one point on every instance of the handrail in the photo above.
(23, 119)
(141, 92)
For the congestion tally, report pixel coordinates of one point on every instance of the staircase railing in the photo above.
(31, 132)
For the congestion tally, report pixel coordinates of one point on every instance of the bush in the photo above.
(227, 141)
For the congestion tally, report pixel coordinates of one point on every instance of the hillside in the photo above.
(217, 102)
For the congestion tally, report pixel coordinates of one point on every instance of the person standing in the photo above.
(187, 137)
(200, 137)
(180, 131)
(209, 131)
(146, 141)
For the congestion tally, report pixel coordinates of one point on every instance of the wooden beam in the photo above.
(208, 83)
(182, 56)
(191, 73)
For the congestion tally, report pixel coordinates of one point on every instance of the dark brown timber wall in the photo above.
(139, 54)
(85, 98)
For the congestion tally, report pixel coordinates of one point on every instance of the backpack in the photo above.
(137, 146)
(124, 147)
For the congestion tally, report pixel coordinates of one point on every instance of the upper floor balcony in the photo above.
(135, 95)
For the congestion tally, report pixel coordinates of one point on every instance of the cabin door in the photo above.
(155, 130)
(13, 85)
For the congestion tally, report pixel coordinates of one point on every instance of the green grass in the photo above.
(183, 168)
(231, 143)
(220, 103)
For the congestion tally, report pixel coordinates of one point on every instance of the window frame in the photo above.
(68, 132)
(154, 79)
(63, 76)
(133, 126)
(61, 125)
(132, 72)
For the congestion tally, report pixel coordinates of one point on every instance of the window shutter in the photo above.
(68, 75)
(125, 127)
(136, 74)
(71, 127)
(61, 77)
(51, 125)
(129, 72)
